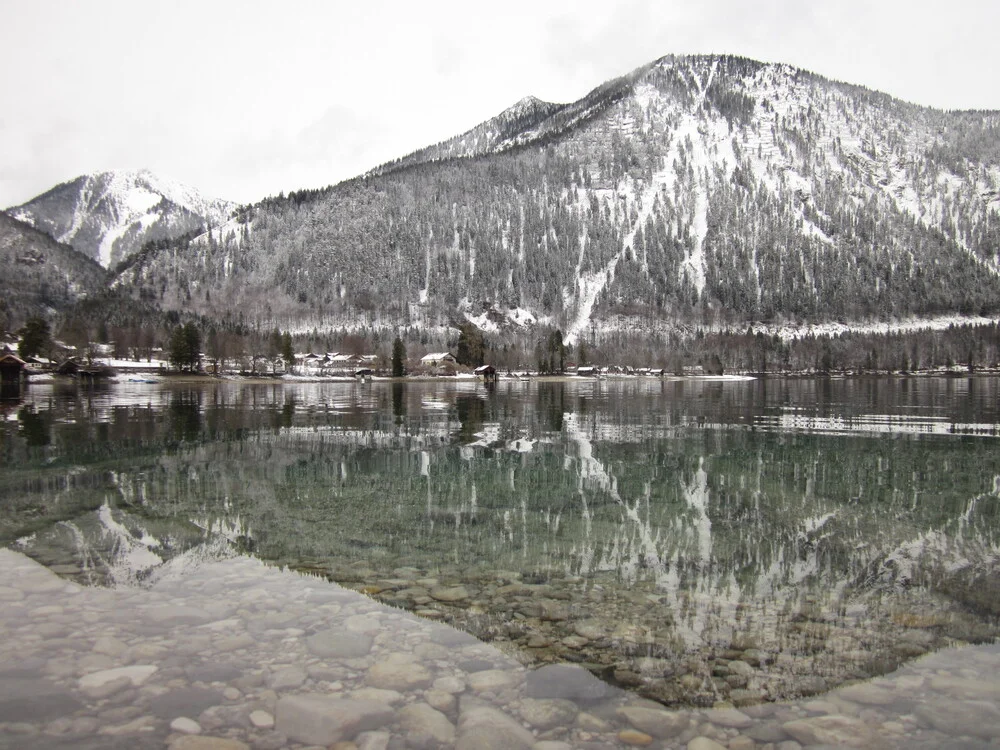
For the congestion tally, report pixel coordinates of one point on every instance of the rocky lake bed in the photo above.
(629, 637)
(222, 652)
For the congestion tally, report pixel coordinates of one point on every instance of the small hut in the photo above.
(487, 372)
(84, 371)
(11, 368)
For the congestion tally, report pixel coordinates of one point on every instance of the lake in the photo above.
(690, 541)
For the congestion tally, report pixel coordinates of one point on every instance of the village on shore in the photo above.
(99, 363)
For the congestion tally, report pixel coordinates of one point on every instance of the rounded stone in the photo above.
(451, 684)
(440, 700)
(425, 726)
(261, 719)
(659, 723)
(449, 593)
(401, 674)
(634, 738)
(184, 725)
(196, 742)
(704, 743)
(493, 680)
(545, 714)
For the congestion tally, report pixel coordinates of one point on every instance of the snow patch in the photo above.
(140, 201)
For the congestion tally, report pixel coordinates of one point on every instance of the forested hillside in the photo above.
(695, 190)
(40, 276)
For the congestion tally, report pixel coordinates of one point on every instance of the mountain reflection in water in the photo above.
(692, 540)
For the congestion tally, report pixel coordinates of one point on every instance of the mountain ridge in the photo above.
(110, 215)
(695, 190)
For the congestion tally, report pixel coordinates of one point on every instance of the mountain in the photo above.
(702, 190)
(40, 275)
(513, 126)
(110, 215)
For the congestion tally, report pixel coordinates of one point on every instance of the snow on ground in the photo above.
(788, 332)
(483, 322)
(616, 325)
(693, 266)
(139, 200)
(695, 134)
(107, 247)
(131, 364)
(520, 316)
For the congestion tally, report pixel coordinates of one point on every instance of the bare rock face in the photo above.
(321, 720)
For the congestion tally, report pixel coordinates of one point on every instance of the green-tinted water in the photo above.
(827, 528)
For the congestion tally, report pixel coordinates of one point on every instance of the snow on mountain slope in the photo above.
(111, 215)
(708, 189)
(514, 125)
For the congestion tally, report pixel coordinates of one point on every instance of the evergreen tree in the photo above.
(398, 358)
(471, 346)
(185, 347)
(557, 351)
(35, 337)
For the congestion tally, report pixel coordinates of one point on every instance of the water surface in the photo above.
(692, 540)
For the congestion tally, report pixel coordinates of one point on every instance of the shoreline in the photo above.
(161, 377)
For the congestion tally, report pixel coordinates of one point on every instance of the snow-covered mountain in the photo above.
(496, 134)
(694, 190)
(709, 191)
(111, 215)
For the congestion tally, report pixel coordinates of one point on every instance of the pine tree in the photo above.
(398, 358)
(557, 351)
(185, 347)
(35, 337)
(471, 346)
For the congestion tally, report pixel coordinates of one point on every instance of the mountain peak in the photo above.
(110, 215)
(529, 103)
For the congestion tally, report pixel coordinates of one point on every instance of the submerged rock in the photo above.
(837, 730)
(567, 681)
(659, 723)
(425, 726)
(339, 644)
(323, 720)
(483, 727)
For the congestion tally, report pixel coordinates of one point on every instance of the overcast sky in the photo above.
(246, 98)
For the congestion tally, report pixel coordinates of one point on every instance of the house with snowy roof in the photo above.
(438, 359)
